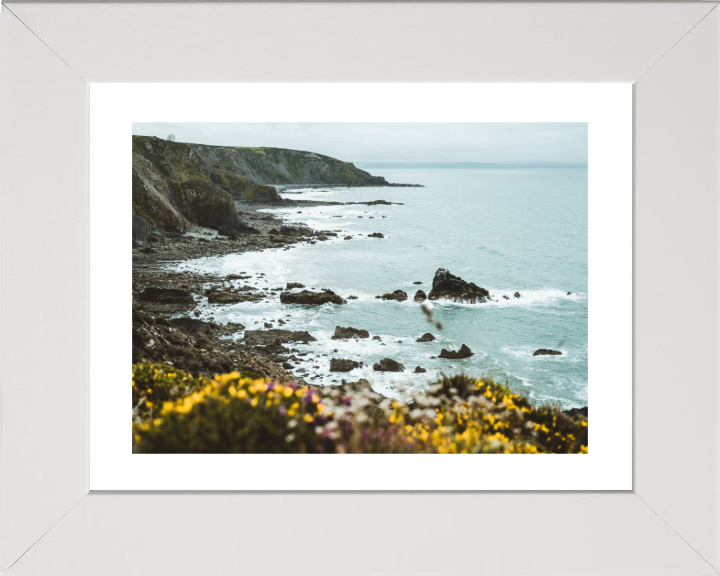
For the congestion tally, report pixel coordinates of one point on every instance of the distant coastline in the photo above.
(470, 165)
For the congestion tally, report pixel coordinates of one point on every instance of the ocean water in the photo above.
(505, 230)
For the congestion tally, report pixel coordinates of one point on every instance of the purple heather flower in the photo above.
(282, 411)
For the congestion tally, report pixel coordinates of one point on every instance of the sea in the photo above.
(506, 230)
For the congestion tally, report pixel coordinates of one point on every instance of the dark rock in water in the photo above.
(420, 296)
(287, 365)
(348, 237)
(347, 333)
(376, 337)
(343, 365)
(388, 365)
(307, 297)
(236, 277)
(517, 294)
(219, 297)
(267, 325)
(322, 237)
(166, 296)
(577, 413)
(464, 352)
(398, 295)
(262, 337)
(419, 370)
(351, 297)
(506, 297)
(375, 235)
(291, 285)
(546, 352)
(417, 282)
(427, 337)
(569, 295)
(446, 285)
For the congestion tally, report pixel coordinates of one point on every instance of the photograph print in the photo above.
(350, 288)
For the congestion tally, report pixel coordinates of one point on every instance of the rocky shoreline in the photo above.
(165, 320)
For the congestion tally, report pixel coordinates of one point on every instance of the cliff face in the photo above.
(283, 166)
(176, 185)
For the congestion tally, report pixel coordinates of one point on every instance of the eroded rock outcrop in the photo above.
(348, 333)
(343, 365)
(276, 336)
(388, 365)
(447, 285)
(398, 295)
(546, 352)
(464, 352)
(313, 298)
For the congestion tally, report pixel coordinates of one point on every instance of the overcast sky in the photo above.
(396, 142)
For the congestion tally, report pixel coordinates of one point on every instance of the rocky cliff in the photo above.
(283, 166)
(176, 185)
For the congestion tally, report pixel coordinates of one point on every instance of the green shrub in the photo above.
(234, 413)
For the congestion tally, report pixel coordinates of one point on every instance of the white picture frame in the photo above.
(49, 523)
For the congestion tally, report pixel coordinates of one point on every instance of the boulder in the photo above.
(417, 282)
(291, 285)
(464, 352)
(517, 294)
(546, 352)
(220, 297)
(419, 370)
(420, 296)
(427, 337)
(388, 365)
(569, 293)
(398, 295)
(447, 285)
(348, 237)
(264, 337)
(506, 297)
(314, 298)
(193, 326)
(376, 338)
(375, 235)
(322, 237)
(166, 296)
(347, 333)
(343, 365)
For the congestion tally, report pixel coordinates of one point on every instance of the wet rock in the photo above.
(506, 297)
(375, 235)
(464, 352)
(220, 297)
(427, 337)
(322, 237)
(348, 237)
(546, 352)
(447, 285)
(193, 326)
(420, 296)
(569, 293)
(351, 297)
(419, 370)
(417, 283)
(376, 337)
(343, 365)
(166, 296)
(388, 365)
(517, 294)
(160, 321)
(291, 285)
(398, 295)
(347, 333)
(307, 297)
(262, 337)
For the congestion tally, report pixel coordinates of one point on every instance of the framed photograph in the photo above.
(272, 185)
(249, 261)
